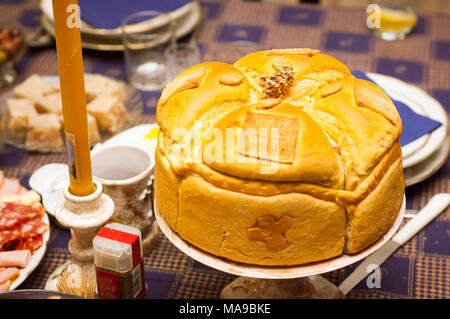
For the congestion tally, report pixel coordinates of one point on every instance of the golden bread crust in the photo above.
(339, 159)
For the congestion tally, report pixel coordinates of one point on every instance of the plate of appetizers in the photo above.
(24, 232)
(34, 119)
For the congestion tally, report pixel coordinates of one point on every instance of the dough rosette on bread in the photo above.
(283, 158)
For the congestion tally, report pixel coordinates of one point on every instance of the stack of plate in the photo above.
(186, 18)
(425, 155)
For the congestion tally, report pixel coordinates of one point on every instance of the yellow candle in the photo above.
(71, 79)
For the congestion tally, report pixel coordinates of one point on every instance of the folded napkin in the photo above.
(108, 14)
(414, 125)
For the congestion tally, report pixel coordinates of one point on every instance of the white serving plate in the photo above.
(35, 259)
(99, 41)
(422, 103)
(134, 136)
(423, 170)
(47, 8)
(273, 272)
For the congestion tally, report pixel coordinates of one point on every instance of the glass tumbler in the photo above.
(390, 21)
(182, 57)
(146, 35)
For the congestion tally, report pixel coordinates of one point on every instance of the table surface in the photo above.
(420, 269)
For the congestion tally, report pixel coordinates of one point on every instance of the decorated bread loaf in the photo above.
(283, 158)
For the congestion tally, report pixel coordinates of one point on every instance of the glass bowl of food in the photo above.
(12, 48)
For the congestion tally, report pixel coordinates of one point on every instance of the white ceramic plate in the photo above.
(35, 259)
(423, 170)
(47, 9)
(133, 104)
(135, 136)
(422, 103)
(273, 272)
(183, 25)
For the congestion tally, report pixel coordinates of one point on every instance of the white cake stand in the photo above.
(274, 272)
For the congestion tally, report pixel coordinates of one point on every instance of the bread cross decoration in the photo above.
(270, 230)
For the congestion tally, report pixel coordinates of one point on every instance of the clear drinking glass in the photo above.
(146, 35)
(390, 21)
(182, 57)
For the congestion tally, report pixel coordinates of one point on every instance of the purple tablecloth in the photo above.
(420, 269)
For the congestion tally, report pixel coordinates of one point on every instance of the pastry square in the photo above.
(44, 132)
(109, 111)
(19, 111)
(35, 87)
(97, 85)
(50, 103)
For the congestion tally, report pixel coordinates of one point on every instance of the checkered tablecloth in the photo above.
(420, 269)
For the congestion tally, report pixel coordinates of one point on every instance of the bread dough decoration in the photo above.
(187, 81)
(330, 89)
(270, 230)
(231, 78)
(277, 84)
(261, 125)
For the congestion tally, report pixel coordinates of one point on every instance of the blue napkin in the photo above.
(108, 14)
(414, 125)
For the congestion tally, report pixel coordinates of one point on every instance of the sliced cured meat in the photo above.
(10, 273)
(13, 214)
(10, 186)
(31, 243)
(33, 228)
(21, 226)
(16, 258)
(9, 237)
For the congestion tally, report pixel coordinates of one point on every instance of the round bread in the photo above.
(329, 181)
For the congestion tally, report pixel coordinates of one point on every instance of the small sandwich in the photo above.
(97, 85)
(50, 103)
(19, 110)
(34, 88)
(109, 111)
(44, 132)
